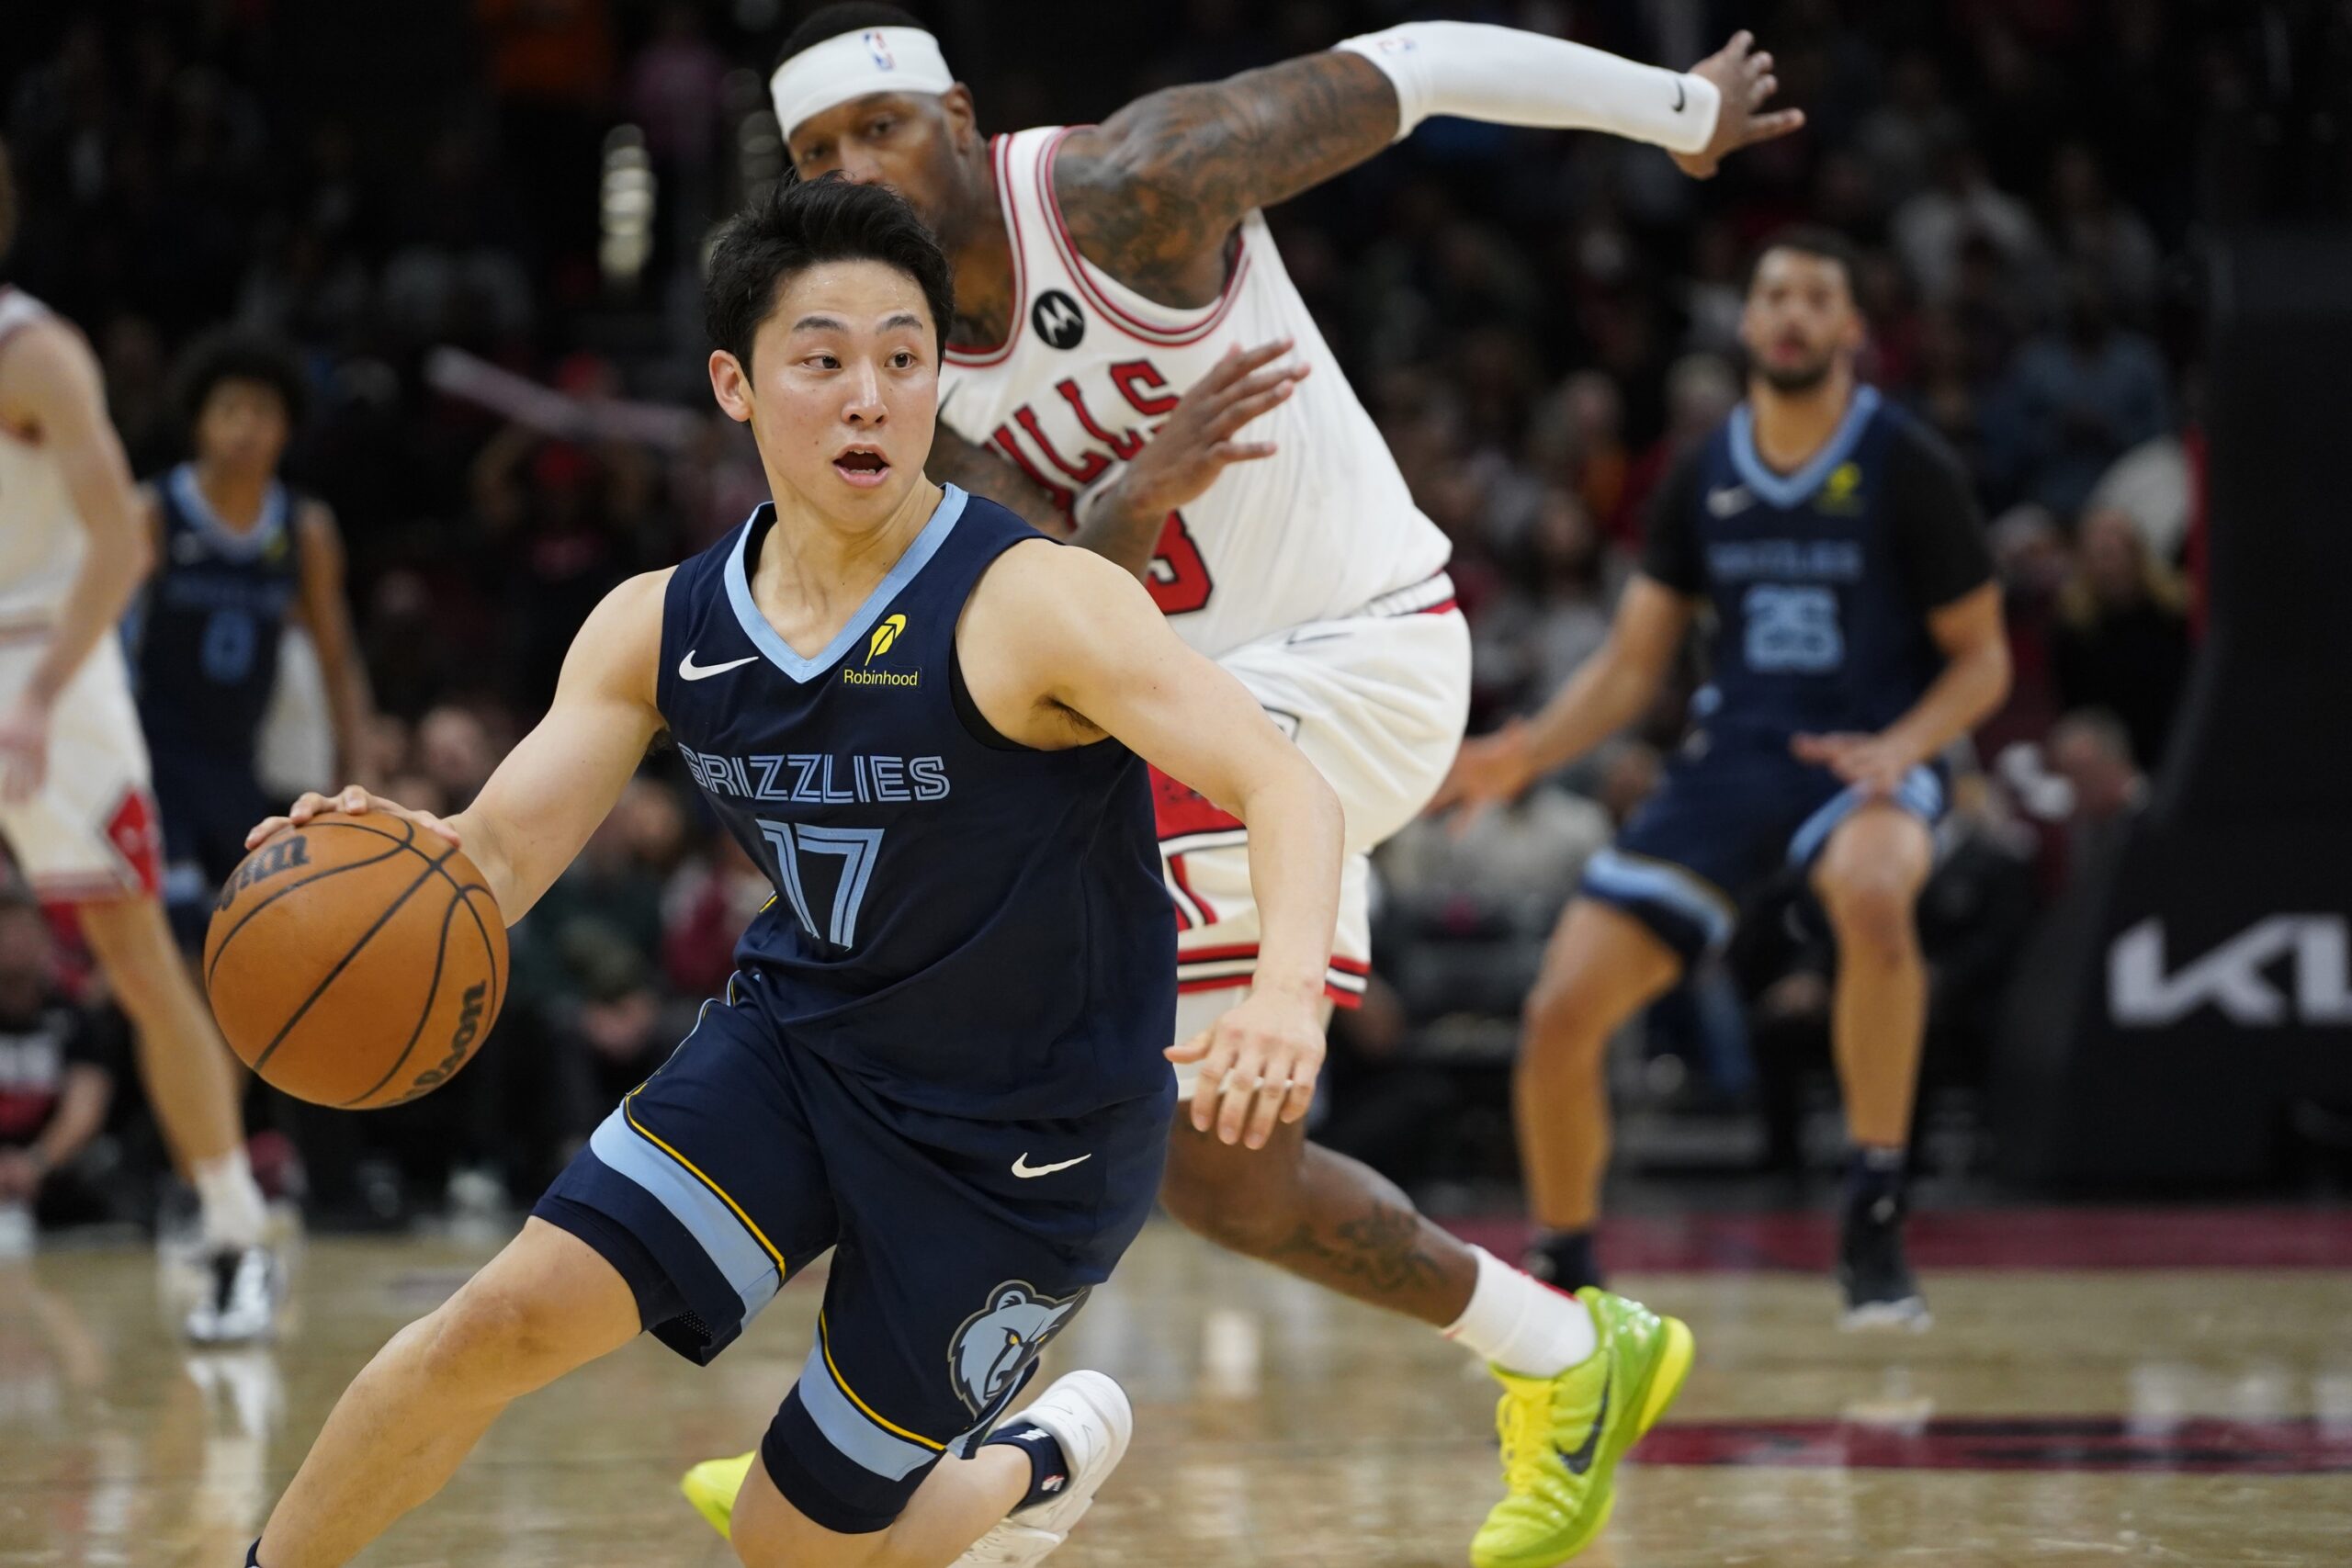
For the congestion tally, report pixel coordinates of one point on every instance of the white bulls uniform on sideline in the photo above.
(1310, 574)
(91, 830)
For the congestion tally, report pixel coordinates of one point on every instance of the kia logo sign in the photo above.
(2236, 977)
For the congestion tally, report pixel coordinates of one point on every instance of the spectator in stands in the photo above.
(2100, 235)
(59, 1063)
(1932, 227)
(2077, 399)
(2121, 641)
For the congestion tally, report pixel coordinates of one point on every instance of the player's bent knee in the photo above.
(1871, 914)
(1565, 1021)
(1240, 1199)
(494, 1343)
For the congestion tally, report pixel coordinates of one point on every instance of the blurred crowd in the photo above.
(509, 417)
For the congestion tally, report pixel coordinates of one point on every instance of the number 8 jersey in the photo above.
(1090, 368)
(1818, 585)
(966, 926)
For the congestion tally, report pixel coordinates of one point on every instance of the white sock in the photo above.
(1522, 1325)
(233, 1211)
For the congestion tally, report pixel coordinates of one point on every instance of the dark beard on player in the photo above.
(1796, 378)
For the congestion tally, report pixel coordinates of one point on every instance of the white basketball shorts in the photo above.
(90, 832)
(1377, 701)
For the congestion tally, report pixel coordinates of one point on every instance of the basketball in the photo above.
(355, 961)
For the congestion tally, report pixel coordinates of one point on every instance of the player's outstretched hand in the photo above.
(1259, 1063)
(1197, 443)
(1873, 762)
(1743, 74)
(24, 749)
(351, 800)
(1490, 770)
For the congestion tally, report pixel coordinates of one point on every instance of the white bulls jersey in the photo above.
(1320, 530)
(40, 535)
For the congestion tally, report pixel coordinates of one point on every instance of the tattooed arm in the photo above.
(1152, 194)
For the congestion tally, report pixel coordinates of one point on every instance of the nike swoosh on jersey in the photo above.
(1581, 1460)
(1677, 97)
(689, 670)
(1022, 1168)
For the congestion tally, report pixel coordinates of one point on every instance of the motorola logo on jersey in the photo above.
(1056, 318)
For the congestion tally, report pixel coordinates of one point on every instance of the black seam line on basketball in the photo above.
(344, 961)
(410, 842)
(497, 992)
(440, 962)
(398, 845)
(497, 996)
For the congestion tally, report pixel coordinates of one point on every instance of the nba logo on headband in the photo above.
(850, 66)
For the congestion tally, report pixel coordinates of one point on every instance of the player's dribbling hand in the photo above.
(1259, 1063)
(1197, 443)
(24, 749)
(1490, 770)
(351, 800)
(1873, 761)
(1746, 82)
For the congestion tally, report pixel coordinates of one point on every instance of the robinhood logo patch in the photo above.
(884, 635)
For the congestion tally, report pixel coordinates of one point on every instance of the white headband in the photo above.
(850, 66)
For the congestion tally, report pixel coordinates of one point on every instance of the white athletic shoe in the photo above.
(1090, 1416)
(239, 1302)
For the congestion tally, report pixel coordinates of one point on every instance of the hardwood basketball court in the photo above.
(2113, 1412)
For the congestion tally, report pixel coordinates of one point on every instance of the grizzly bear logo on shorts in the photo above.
(987, 1352)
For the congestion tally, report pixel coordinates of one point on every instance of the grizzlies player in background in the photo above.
(75, 808)
(1834, 546)
(239, 557)
(1129, 353)
(944, 1055)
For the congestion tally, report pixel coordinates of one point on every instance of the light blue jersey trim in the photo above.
(731, 1248)
(225, 540)
(1636, 879)
(779, 653)
(1786, 491)
(849, 1430)
(1921, 793)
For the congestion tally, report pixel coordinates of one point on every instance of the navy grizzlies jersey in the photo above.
(1820, 582)
(970, 927)
(208, 632)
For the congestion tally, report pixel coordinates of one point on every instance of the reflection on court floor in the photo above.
(2106, 1415)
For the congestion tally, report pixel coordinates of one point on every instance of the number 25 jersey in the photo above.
(1090, 369)
(1818, 585)
(970, 927)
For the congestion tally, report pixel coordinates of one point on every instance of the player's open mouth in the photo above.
(862, 465)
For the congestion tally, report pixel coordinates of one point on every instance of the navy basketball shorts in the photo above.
(207, 807)
(1723, 821)
(961, 1248)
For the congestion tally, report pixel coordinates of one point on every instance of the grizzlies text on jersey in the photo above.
(1817, 586)
(941, 1052)
(974, 926)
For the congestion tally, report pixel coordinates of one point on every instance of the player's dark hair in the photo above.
(807, 223)
(1812, 239)
(832, 21)
(240, 354)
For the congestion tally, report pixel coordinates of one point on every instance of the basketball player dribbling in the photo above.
(1122, 316)
(74, 803)
(943, 1055)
